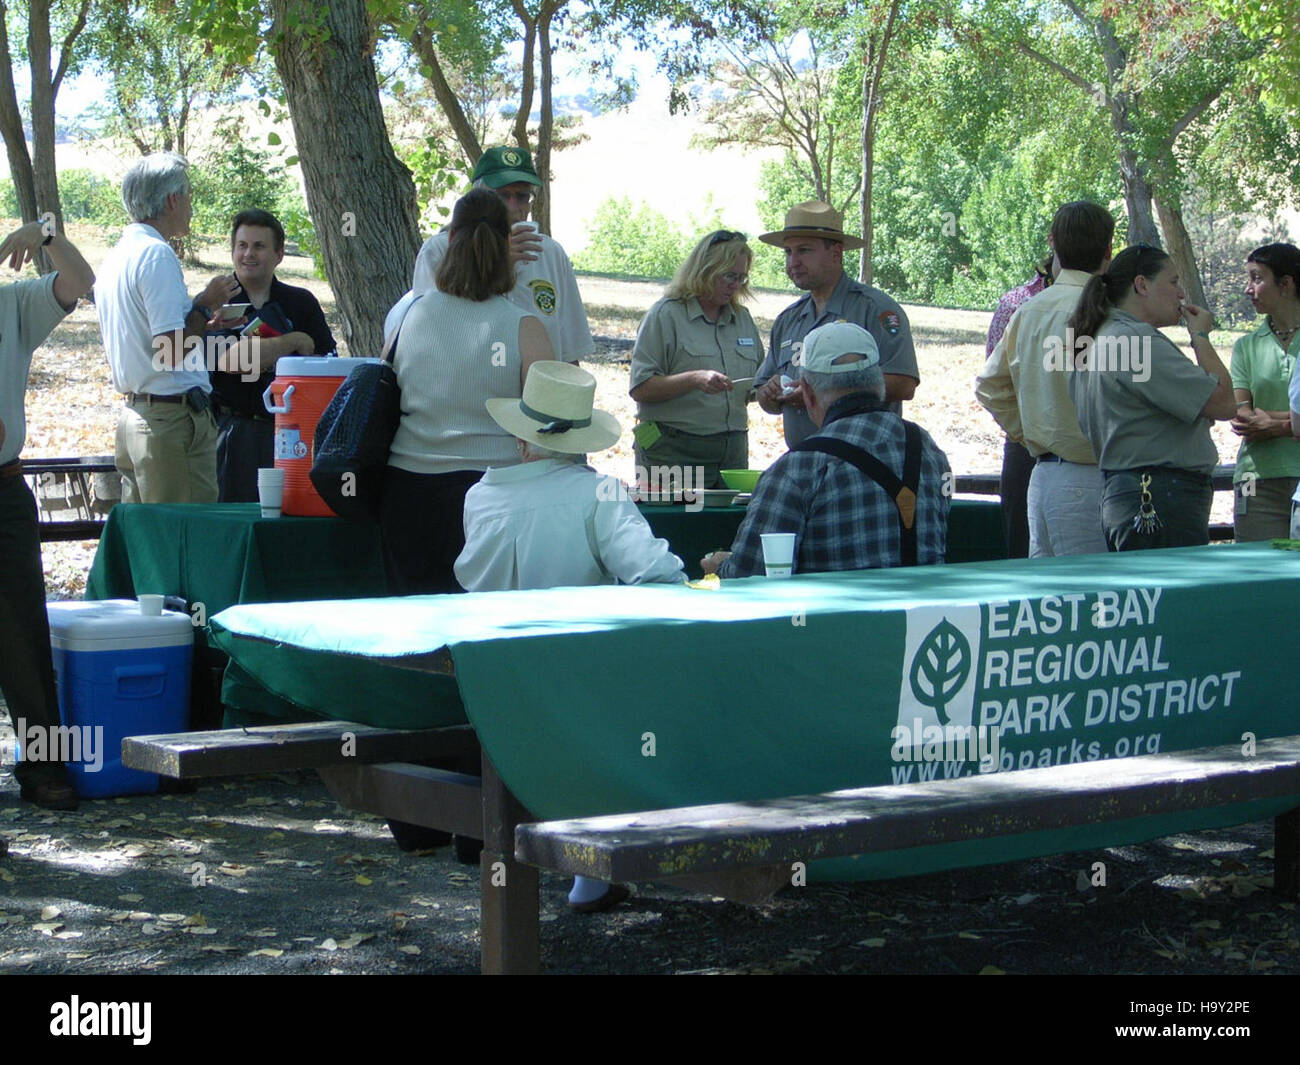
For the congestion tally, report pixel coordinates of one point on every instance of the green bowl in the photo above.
(741, 480)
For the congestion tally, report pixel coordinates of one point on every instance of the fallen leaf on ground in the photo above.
(265, 952)
(48, 913)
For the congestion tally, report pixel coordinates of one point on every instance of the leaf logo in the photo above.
(940, 667)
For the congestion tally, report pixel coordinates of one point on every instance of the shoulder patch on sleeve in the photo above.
(890, 322)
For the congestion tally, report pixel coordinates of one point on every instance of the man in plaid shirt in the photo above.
(843, 518)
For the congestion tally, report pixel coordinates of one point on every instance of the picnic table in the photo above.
(766, 695)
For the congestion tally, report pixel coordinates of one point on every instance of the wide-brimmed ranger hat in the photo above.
(812, 218)
(507, 165)
(838, 347)
(556, 411)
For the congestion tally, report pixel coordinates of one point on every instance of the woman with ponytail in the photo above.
(1263, 362)
(1144, 406)
(459, 346)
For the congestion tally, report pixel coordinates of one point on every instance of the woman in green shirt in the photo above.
(1268, 462)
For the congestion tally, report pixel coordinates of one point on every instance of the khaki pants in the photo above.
(166, 453)
(711, 453)
(1265, 514)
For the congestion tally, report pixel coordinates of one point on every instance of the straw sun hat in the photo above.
(812, 218)
(556, 411)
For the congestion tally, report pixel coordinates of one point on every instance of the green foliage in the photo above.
(239, 177)
(437, 172)
(90, 197)
(637, 240)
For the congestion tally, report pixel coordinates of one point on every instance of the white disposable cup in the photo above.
(151, 605)
(270, 491)
(529, 227)
(778, 553)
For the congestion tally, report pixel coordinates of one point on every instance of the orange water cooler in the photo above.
(302, 389)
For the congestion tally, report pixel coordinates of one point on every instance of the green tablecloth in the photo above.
(596, 700)
(220, 554)
(223, 554)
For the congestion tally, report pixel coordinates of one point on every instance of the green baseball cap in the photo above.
(505, 166)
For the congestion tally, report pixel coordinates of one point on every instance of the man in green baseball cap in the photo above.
(544, 281)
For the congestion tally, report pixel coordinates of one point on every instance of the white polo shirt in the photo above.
(139, 294)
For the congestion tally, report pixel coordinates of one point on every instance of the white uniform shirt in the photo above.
(552, 524)
(28, 314)
(546, 288)
(139, 294)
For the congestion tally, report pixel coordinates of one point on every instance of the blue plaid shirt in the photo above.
(842, 518)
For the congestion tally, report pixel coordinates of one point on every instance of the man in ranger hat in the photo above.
(814, 241)
(544, 281)
(552, 522)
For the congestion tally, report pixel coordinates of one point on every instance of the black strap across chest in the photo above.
(902, 491)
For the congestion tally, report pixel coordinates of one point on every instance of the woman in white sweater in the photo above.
(460, 346)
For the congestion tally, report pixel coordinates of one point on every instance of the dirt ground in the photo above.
(269, 875)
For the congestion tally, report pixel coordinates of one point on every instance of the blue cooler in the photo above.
(125, 673)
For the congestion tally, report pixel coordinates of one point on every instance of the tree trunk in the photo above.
(11, 127)
(1137, 197)
(422, 42)
(873, 69)
(43, 168)
(1179, 246)
(361, 198)
(546, 124)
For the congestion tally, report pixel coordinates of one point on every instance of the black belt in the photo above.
(1047, 456)
(148, 397)
(220, 407)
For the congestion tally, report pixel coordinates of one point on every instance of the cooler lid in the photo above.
(87, 621)
(317, 366)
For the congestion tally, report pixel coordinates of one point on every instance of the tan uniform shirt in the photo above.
(1024, 383)
(676, 337)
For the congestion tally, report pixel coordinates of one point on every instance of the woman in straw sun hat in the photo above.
(551, 521)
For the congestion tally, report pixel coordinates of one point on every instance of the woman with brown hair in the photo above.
(1145, 408)
(691, 348)
(459, 346)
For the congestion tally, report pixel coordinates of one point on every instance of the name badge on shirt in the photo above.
(745, 342)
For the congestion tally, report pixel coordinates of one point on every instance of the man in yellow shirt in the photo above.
(1023, 385)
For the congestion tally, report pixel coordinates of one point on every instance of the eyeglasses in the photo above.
(518, 197)
(733, 278)
(722, 236)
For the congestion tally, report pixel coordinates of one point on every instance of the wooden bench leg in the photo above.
(508, 910)
(1286, 854)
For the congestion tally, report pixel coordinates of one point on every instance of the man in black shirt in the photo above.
(283, 320)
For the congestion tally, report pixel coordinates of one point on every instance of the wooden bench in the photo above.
(74, 495)
(751, 846)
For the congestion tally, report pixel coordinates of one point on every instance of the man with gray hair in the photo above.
(544, 280)
(166, 444)
(867, 490)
